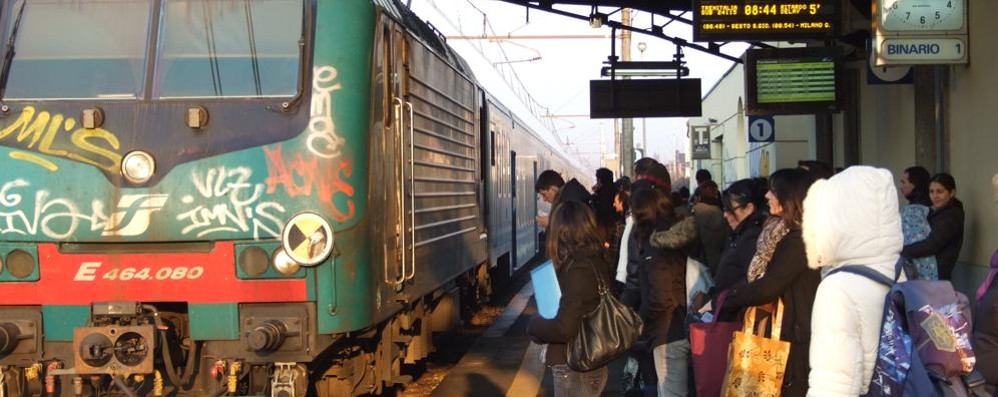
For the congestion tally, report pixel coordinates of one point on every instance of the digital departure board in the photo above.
(762, 20)
(780, 80)
(792, 80)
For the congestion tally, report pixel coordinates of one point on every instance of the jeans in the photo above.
(672, 363)
(569, 383)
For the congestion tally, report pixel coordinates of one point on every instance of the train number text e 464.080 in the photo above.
(92, 271)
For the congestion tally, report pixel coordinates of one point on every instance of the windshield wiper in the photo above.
(255, 61)
(302, 60)
(8, 56)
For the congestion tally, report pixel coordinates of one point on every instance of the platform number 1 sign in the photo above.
(762, 129)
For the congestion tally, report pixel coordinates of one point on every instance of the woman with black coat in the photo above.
(745, 210)
(946, 220)
(779, 270)
(576, 249)
(662, 274)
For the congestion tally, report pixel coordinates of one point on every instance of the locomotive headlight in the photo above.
(284, 264)
(138, 166)
(253, 261)
(307, 239)
(20, 264)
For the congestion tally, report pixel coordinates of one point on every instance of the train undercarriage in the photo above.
(146, 349)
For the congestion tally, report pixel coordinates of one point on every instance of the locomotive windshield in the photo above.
(203, 49)
(212, 48)
(76, 49)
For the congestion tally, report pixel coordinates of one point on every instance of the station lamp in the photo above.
(596, 18)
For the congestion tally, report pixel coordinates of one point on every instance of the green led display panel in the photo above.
(795, 81)
(802, 80)
(766, 20)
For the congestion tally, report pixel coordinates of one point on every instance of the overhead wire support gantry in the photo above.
(654, 31)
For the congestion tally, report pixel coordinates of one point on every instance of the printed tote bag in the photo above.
(756, 363)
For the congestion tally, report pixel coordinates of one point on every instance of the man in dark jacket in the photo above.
(603, 195)
(553, 190)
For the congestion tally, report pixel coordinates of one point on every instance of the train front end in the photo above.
(182, 193)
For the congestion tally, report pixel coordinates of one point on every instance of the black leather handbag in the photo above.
(606, 332)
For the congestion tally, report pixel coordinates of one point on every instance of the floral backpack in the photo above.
(925, 339)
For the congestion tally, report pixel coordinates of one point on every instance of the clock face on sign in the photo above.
(922, 15)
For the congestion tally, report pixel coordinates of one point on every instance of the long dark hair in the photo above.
(919, 177)
(790, 187)
(572, 233)
(648, 208)
(747, 191)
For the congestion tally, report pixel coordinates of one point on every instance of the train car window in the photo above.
(492, 144)
(237, 48)
(384, 75)
(78, 50)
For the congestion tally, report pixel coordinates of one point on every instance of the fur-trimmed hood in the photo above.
(679, 236)
(853, 219)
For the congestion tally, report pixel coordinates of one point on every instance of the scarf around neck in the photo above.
(774, 230)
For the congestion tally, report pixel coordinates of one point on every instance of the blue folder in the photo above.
(547, 292)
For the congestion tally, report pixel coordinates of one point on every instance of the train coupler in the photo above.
(114, 350)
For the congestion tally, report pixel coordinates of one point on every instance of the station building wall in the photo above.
(973, 135)
(734, 156)
(971, 151)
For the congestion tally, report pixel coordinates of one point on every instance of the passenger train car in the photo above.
(245, 197)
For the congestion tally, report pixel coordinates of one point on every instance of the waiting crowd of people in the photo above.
(808, 247)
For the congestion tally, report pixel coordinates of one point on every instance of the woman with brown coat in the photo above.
(575, 247)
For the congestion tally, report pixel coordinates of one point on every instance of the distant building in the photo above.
(678, 170)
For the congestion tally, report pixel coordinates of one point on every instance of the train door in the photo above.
(536, 232)
(512, 201)
(525, 226)
(400, 261)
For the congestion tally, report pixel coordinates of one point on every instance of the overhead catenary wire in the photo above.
(485, 41)
(509, 73)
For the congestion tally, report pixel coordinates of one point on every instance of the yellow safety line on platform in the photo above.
(34, 159)
(527, 381)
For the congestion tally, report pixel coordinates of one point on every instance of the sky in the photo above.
(555, 72)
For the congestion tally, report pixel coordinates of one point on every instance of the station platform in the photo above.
(504, 362)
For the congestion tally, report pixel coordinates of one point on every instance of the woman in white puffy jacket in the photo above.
(851, 219)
